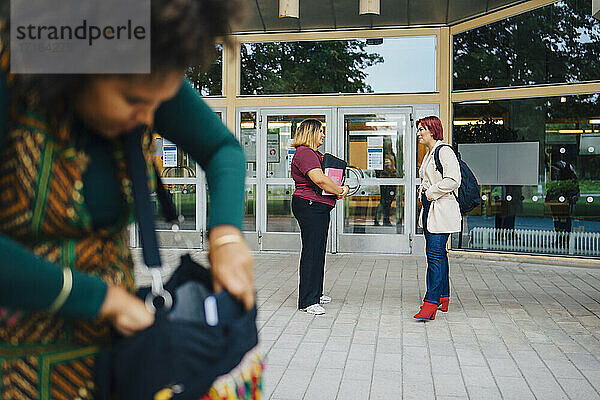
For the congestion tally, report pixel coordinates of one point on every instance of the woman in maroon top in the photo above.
(312, 209)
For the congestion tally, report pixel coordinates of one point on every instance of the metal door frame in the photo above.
(378, 242)
(191, 239)
(282, 241)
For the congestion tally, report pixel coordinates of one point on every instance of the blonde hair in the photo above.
(307, 134)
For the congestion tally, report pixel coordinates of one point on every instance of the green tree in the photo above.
(336, 66)
(208, 82)
(553, 44)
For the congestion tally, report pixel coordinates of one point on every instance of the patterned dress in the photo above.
(43, 355)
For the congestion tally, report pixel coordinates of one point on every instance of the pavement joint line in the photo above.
(559, 349)
(501, 339)
(546, 318)
(519, 282)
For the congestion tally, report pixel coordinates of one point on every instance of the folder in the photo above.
(334, 168)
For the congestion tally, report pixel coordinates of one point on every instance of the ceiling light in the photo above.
(367, 7)
(289, 8)
(595, 121)
(563, 99)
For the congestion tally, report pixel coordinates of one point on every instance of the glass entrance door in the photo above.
(277, 228)
(378, 218)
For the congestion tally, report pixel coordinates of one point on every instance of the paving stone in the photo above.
(514, 331)
(579, 389)
(514, 388)
(325, 384)
(449, 385)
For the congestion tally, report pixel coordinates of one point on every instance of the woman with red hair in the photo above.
(440, 214)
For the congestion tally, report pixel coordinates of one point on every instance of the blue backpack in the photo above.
(469, 196)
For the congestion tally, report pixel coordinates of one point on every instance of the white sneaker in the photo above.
(315, 309)
(325, 299)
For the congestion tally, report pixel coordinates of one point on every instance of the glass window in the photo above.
(171, 160)
(249, 129)
(375, 144)
(538, 164)
(281, 130)
(279, 209)
(184, 198)
(553, 44)
(382, 65)
(208, 82)
(249, 222)
(375, 209)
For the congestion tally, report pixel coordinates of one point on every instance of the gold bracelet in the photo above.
(64, 292)
(223, 240)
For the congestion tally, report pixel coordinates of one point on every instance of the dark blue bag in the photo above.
(469, 195)
(197, 335)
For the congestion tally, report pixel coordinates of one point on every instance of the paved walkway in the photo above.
(514, 331)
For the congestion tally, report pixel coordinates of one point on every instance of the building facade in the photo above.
(516, 88)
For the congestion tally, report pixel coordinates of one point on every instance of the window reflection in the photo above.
(281, 130)
(375, 209)
(553, 44)
(386, 65)
(279, 209)
(249, 130)
(208, 83)
(184, 198)
(552, 145)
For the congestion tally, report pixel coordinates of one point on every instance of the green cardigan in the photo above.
(31, 283)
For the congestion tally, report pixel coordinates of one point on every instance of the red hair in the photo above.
(434, 125)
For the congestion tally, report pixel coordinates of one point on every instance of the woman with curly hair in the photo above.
(66, 272)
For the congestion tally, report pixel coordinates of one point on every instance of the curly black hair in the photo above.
(183, 33)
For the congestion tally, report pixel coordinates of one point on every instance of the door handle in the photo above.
(358, 173)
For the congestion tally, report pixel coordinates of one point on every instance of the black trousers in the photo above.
(313, 218)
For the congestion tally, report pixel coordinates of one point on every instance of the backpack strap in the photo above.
(438, 163)
(436, 158)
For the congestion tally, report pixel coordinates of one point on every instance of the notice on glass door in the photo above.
(375, 152)
(169, 154)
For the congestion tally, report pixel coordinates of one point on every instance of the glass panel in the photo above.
(184, 197)
(208, 83)
(248, 128)
(375, 144)
(538, 164)
(381, 65)
(280, 133)
(279, 209)
(249, 223)
(375, 209)
(170, 159)
(418, 229)
(553, 44)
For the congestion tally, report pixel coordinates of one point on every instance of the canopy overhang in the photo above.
(344, 14)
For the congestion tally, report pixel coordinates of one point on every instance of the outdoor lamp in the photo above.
(372, 7)
(289, 8)
(596, 8)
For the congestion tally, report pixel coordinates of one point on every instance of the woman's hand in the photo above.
(232, 265)
(345, 190)
(127, 313)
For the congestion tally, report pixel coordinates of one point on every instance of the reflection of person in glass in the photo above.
(66, 271)
(387, 193)
(562, 190)
(312, 210)
(440, 214)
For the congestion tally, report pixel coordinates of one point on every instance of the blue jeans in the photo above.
(438, 281)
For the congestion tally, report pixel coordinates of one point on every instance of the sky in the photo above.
(409, 65)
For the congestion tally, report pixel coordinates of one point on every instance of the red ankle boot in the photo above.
(444, 301)
(427, 311)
